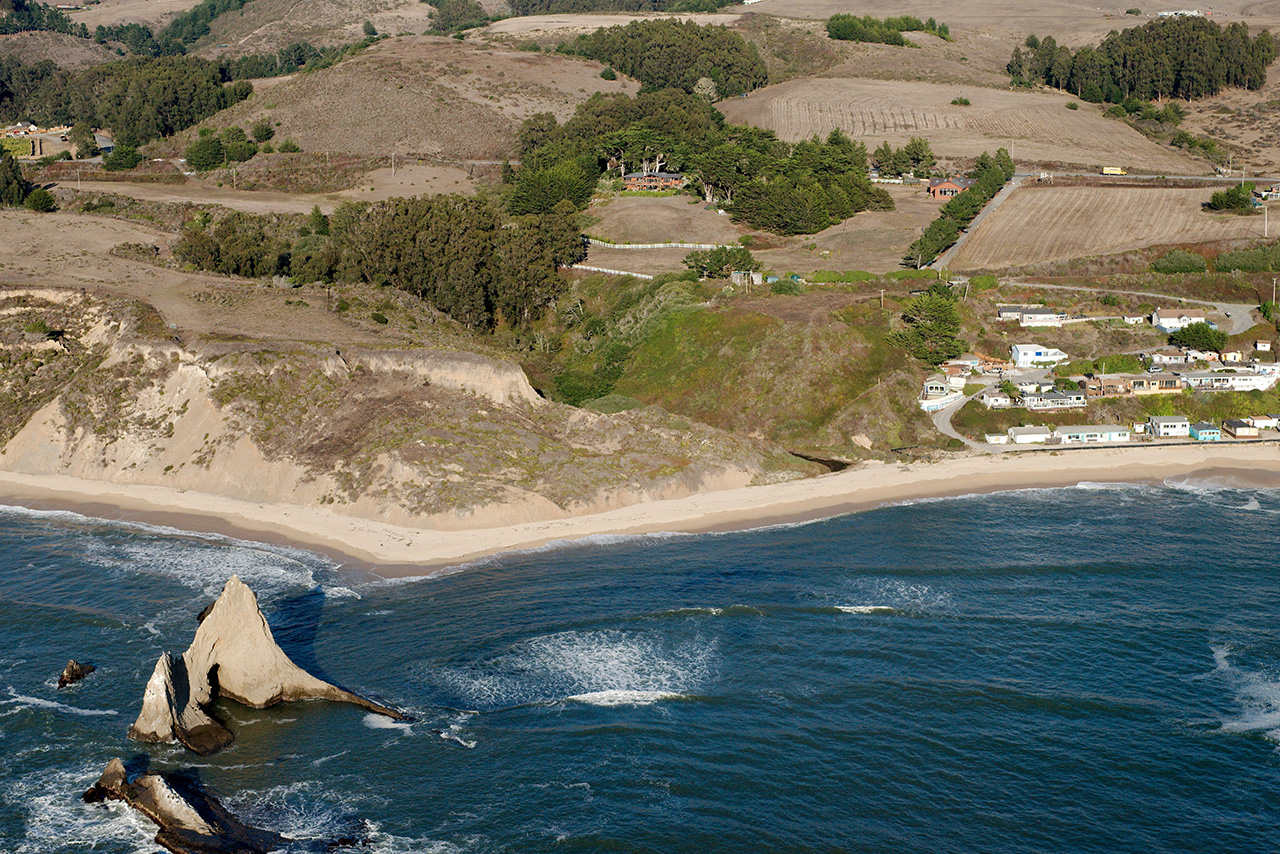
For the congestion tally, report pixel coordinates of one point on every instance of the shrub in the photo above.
(39, 200)
(960, 102)
(1179, 261)
(240, 151)
(1238, 198)
(262, 130)
(786, 287)
(1073, 106)
(369, 29)
(289, 147)
(379, 317)
(122, 158)
(1133, 11)
(205, 153)
(609, 74)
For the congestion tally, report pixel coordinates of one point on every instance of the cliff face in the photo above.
(95, 389)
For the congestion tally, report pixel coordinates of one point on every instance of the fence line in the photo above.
(610, 272)
(594, 242)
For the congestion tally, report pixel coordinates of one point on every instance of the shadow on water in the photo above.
(295, 623)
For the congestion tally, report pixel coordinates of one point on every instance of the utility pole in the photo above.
(1273, 288)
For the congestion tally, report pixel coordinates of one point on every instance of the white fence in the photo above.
(610, 272)
(608, 245)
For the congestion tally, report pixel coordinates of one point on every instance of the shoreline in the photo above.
(394, 551)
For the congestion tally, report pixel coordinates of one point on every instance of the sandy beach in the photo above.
(394, 550)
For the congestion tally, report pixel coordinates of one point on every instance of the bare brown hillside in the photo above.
(423, 95)
(67, 51)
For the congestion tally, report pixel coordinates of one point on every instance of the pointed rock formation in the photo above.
(191, 820)
(233, 655)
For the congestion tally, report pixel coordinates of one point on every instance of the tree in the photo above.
(1199, 336)
(932, 326)
(1237, 198)
(40, 200)
(82, 139)
(718, 263)
(207, 153)
(369, 29)
(122, 158)
(262, 130)
(706, 88)
(13, 187)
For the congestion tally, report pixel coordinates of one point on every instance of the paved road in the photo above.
(1241, 314)
(942, 419)
(942, 260)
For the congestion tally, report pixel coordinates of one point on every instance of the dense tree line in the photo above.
(462, 255)
(24, 17)
(1185, 57)
(756, 177)
(915, 158)
(888, 31)
(140, 98)
(989, 175)
(667, 53)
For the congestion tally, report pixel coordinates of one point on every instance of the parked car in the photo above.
(1155, 369)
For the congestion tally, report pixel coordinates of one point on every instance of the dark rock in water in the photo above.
(233, 655)
(74, 673)
(191, 821)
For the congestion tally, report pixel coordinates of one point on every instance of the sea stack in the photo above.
(233, 655)
(74, 672)
(191, 820)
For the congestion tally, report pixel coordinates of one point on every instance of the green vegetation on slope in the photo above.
(889, 31)
(667, 53)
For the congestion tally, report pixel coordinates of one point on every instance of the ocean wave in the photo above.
(709, 611)
(1257, 693)
(867, 609)
(555, 668)
(376, 721)
(623, 698)
(25, 702)
(56, 820)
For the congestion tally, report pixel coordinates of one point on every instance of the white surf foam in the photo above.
(23, 701)
(55, 820)
(554, 668)
(1257, 693)
(866, 609)
(376, 721)
(623, 698)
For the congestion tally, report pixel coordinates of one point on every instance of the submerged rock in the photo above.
(74, 672)
(191, 821)
(233, 655)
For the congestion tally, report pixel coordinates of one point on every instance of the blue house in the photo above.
(1203, 431)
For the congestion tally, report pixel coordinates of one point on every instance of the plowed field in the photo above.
(1038, 224)
(1037, 126)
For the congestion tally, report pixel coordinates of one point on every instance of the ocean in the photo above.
(1086, 669)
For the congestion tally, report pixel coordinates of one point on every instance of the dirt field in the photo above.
(422, 95)
(565, 26)
(1036, 126)
(872, 240)
(1040, 224)
(663, 219)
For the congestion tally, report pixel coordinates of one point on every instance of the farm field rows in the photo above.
(1037, 125)
(1038, 224)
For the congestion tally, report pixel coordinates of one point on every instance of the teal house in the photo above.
(1203, 431)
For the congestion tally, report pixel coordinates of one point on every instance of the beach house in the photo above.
(1055, 400)
(1035, 355)
(1090, 434)
(1227, 380)
(1173, 319)
(1239, 428)
(1169, 426)
(1029, 435)
(1203, 431)
(1264, 422)
(994, 398)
